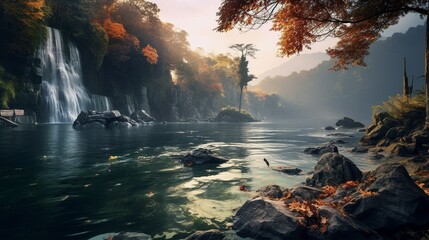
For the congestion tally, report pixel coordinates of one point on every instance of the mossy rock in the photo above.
(233, 115)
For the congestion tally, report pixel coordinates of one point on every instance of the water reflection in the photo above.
(58, 183)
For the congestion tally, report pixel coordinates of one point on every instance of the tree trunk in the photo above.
(405, 81)
(426, 72)
(241, 95)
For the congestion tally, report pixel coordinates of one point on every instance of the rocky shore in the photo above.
(111, 119)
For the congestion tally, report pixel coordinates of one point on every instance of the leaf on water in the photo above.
(113, 158)
(150, 194)
(323, 220)
(110, 237)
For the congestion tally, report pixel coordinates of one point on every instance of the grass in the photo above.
(399, 105)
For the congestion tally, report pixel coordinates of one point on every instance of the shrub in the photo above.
(399, 105)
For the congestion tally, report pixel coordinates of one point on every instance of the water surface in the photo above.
(58, 183)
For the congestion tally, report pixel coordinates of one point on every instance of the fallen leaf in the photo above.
(113, 158)
(350, 184)
(150, 194)
(364, 193)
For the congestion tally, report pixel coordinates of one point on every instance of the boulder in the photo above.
(329, 128)
(110, 119)
(348, 123)
(399, 150)
(370, 128)
(375, 135)
(266, 219)
(141, 116)
(333, 169)
(341, 226)
(202, 156)
(321, 149)
(376, 156)
(212, 234)
(392, 200)
(132, 236)
(272, 191)
(233, 115)
(397, 132)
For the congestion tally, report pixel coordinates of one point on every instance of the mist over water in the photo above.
(58, 183)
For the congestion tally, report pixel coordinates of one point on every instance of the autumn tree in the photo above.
(22, 27)
(357, 24)
(243, 69)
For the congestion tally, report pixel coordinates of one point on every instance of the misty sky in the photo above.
(198, 18)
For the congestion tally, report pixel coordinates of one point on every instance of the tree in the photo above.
(357, 24)
(243, 70)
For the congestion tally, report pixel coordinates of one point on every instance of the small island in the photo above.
(233, 115)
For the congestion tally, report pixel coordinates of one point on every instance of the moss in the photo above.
(230, 114)
(7, 88)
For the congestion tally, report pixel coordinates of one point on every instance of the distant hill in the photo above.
(332, 94)
(296, 64)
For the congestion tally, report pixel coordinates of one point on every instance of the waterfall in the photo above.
(63, 94)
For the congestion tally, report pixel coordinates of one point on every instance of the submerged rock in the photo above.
(212, 234)
(202, 156)
(287, 170)
(348, 123)
(132, 236)
(321, 149)
(333, 169)
(329, 128)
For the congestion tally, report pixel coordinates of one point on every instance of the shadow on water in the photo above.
(58, 183)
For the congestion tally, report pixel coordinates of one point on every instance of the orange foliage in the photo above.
(423, 187)
(356, 23)
(328, 191)
(115, 31)
(350, 184)
(364, 193)
(151, 54)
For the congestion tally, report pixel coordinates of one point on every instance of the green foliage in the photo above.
(7, 89)
(23, 27)
(230, 114)
(399, 105)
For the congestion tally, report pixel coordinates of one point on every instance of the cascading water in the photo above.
(63, 93)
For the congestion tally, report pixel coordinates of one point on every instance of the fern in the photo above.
(7, 89)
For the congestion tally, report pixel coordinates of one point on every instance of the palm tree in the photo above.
(243, 70)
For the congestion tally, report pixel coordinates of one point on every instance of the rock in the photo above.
(397, 132)
(333, 169)
(111, 119)
(375, 135)
(321, 150)
(272, 191)
(341, 227)
(370, 128)
(305, 193)
(397, 201)
(415, 115)
(416, 164)
(287, 170)
(390, 122)
(340, 135)
(202, 156)
(339, 141)
(132, 236)
(348, 123)
(362, 130)
(266, 219)
(141, 116)
(212, 234)
(329, 128)
(376, 156)
(420, 137)
(359, 149)
(398, 150)
(379, 117)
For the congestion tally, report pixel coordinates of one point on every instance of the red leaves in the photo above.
(308, 214)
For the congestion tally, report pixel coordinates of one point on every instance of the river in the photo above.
(59, 183)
